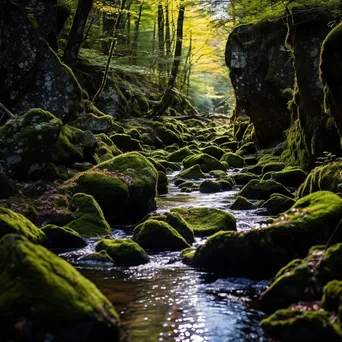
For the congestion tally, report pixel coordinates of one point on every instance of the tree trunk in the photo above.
(168, 40)
(76, 33)
(164, 103)
(161, 43)
(136, 36)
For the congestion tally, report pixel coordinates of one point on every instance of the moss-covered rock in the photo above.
(207, 221)
(209, 186)
(291, 325)
(261, 252)
(213, 151)
(244, 178)
(95, 124)
(14, 223)
(193, 172)
(273, 166)
(179, 155)
(278, 203)
(158, 235)
(27, 142)
(126, 143)
(206, 162)
(233, 160)
(330, 266)
(263, 189)
(101, 256)
(123, 252)
(63, 237)
(241, 203)
(289, 177)
(247, 148)
(177, 222)
(166, 135)
(187, 255)
(51, 296)
(332, 298)
(89, 220)
(162, 186)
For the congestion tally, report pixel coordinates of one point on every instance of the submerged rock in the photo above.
(207, 221)
(209, 186)
(46, 296)
(123, 252)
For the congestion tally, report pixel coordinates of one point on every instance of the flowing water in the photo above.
(166, 300)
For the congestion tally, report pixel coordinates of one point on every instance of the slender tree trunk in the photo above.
(76, 33)
(136, 36)
(161, 44)
(111, 51)
(164, 103)
(167, 39)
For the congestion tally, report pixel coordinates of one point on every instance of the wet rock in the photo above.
(206, 162)
(48, 297)
(244, 178)
(289, 177)
(277, 204)
(89, 220)
(273, 166)
(63, 237)
(179, 155)
(233, 160)
(177, 222)
(126, 143)
(187, 255)
(213, 151)
(162, 186)
(193, 172)
(247, 148)
(32, 74)
(15, 223)
(28, 142)
(332, 296)
(241, 203)
(261, 252)
(123, 252)
(158, 235)
(263, 189)
(101, 256)
(207, 221)
(209, 186)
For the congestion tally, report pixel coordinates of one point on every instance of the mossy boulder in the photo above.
(63, 237)
(214, 151)
(261, 252)
(126, 143)
(162, 186)
(177, 222)
(330, 266)
(101, 256)
(263, 189)
(332, 298)
(166, 135)
(15, 223)
(206, 221)
(273, 166)
(242, 203)
(95, 124)
(123, 252)
(187, 255)
(125, 187)
(278, 203)
(291, 325)
(51, 296)
(289, 177)
(209, 186)
(179, 155)
(27, 142)
(206, 162)
(158, 235)
(74, 145)
(244, 178)
(89, 220)
(233, 160)
(193, 172)
(247, 148)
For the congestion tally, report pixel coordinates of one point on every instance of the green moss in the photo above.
(123, 252)
(332, 297)
(247, 148)
(233, 160)
(14, 223)
(244, 178)
(162, 186)
(166, 135)
(159, 235)
(39, 287)
(126, 143)
(89, 220)
(273, 166)
(95, 124)
(260, 253)
(263, 189)
(206, 162)
(241, 203)
(330, 266)
(289, 177)
(290, 325)
(101, 256)
(213, 151)
(193, 172)
(177, 222)
(209, 186)
(104, 141)
(63, 237)
(207, 221)
(187, 255)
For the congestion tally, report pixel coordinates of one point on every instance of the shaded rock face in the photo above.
(31, 73)
(260, 72)
(305, 37)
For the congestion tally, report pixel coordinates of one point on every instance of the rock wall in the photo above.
(261, 74)
(31, 73)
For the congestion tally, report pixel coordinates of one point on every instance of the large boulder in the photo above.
(258, 62)
(32, 75)
(261, 252)
(27, 143)
(45, 296)
(206, 162)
